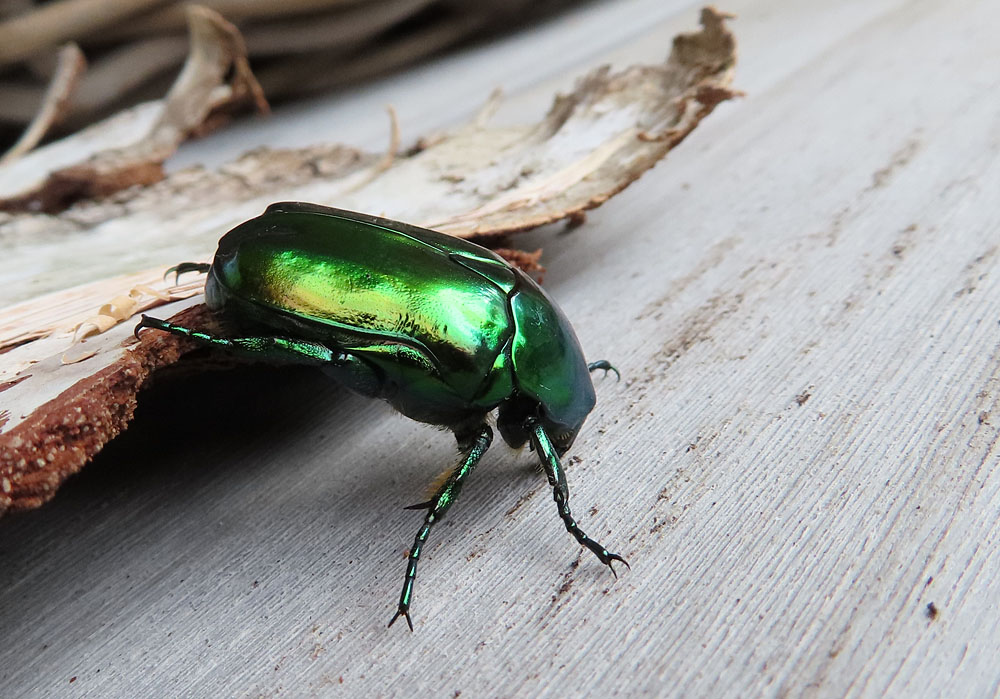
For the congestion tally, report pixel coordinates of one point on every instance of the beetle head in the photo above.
(516, 413)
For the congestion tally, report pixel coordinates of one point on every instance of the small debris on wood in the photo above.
(527, 262)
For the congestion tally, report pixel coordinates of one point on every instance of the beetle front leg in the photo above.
(185, 267)
(436, 507)
(605, 366)
(264, 348)
(560, 492)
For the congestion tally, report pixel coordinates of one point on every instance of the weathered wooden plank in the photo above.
(801, 457)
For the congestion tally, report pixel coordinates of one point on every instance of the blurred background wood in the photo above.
(297, 47)
(800, 462)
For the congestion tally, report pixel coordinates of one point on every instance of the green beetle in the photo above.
(443, 329)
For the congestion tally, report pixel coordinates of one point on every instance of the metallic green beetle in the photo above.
(443, 329)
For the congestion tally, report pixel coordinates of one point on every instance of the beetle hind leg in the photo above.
(436, 507)
(560, 493)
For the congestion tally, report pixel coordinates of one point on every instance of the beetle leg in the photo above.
(273, 349)
(184, 267)
(605, 365)
(560, 493)
(444, 499)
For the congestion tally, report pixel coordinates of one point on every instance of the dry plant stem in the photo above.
(19, 102)
(216, 46)
(344, 30)
(11, 8)
(312, 73)
(120, 71)
(338, 41)
(61, 21)
(171, 19)
(70, 67)
(97, 163)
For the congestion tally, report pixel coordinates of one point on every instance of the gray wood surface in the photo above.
(800, 458)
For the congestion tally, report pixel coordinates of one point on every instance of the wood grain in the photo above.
(801, 456)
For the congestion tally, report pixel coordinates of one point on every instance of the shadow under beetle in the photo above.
(443, 329)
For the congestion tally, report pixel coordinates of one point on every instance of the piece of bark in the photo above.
(58, 438)
(479, 181)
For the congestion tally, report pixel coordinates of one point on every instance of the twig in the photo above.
(70, 66)
(390, 155)
(58, 22)
(18, 102)
(171, 19)
(345, 29)
(299, 75)
(125, 69)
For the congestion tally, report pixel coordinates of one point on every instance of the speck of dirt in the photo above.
(520, 501)
(931, 611)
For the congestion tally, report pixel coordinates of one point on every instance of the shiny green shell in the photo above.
(450, 327)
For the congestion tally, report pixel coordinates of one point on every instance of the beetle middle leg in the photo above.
(436, 507)
(560, 493)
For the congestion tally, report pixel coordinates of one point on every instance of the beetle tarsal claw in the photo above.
(402, 613)
(143, 323)
(611, 558)
(421, 505)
